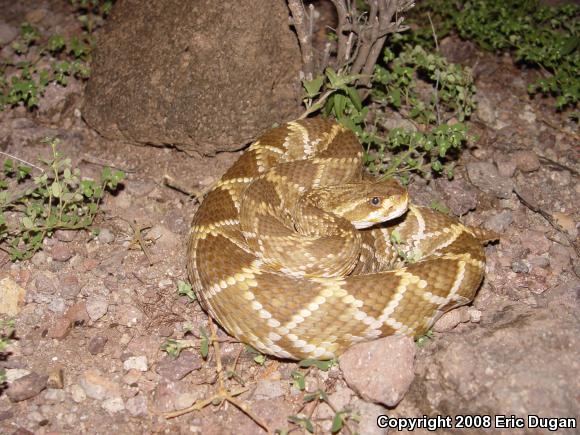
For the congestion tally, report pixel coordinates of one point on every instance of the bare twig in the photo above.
(340, 6)
(22, 161)
(437, 112)
(550, 219)
(222, 394)
(100, 162)
(304, 37)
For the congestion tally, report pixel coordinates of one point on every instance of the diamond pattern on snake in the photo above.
(292, 252)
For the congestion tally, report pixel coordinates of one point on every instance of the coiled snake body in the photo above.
(274, 257)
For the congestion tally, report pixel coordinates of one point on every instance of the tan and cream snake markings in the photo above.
(292, 250)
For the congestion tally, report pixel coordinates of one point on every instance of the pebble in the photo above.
(499, 222)
(77, 313)
(97, 344)
(136, 363)
(451, 319)
(26, 387)
(57, 304)
(55, 396)
(35, 16)
(526, 161)
(56, 378)
(268, 389)
(96, 386)
(185, 400)
(175, 369)
(46, 282)
(77, 393)
(113, 405)
(396, 121)
(527, 115)
(485, 111)
(12, 297)
(137, 406)
(458, 194)
(60, 328)
(132, 377)
(69, 286)
(521, 266)
(39, 258)
(505, 165)
(474, 314)
(7, 33)
(65, 235)
(380, 371)
(97, 307)
(106, 236)
(485, 176)
(61, 253)
(128, 315)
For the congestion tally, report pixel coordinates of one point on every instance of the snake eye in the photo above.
(375, 200)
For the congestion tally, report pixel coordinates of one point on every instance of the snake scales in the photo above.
(274, 257)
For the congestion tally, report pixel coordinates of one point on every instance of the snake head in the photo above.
(364, 203)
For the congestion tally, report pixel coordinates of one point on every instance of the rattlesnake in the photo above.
(295, 281)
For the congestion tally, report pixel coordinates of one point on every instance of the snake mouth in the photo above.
(379, 216)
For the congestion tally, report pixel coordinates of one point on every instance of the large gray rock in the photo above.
(518, 361)
(205, 76)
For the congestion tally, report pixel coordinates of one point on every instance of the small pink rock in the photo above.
(60, 329)
(526, 161)
(61, 253)
(380, 371)
(451, 319)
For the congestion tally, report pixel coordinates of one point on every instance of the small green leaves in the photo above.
(24, 82)
(424, 339)
(538, 36)
(440, 207)
(184, 288)
(260, 359)
(58, 200)
(338, 422)
(299, 381)
(313, 86)
(320, 365)
(173, 347)
(302, 421)
(55, 43)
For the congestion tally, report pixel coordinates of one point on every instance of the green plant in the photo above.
(422, 86)
(184, 288)
(339, 420)
(55, 58)
(57, 198)
(538, 36)
(24, 81)
(6, 332)
(451, 92)
(91, 13)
